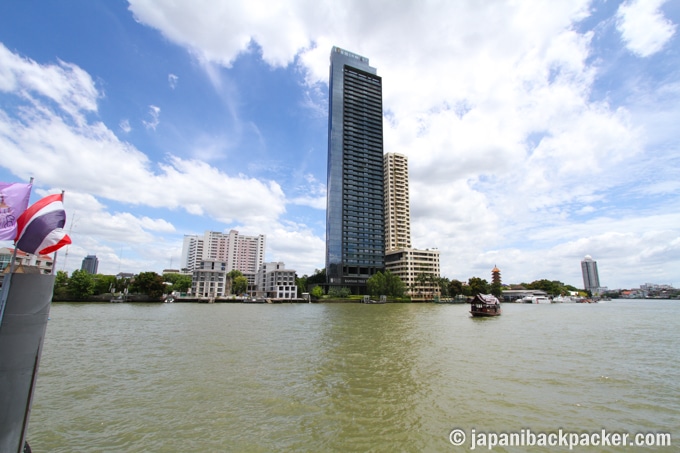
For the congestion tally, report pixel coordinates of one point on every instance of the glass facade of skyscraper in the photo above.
(591, 279)
(355, 245)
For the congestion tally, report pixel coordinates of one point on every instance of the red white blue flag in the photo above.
(40, 227)
(13, 202)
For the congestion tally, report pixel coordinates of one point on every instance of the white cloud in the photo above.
(493, 106)
(154, 113)
(125, 126)
(66, 84)
(643, 26)
(173, 80)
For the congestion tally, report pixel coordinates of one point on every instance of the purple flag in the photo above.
(13, 202)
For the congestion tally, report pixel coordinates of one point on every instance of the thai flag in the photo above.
(39, 228)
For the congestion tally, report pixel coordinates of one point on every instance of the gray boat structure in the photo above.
(25, 301)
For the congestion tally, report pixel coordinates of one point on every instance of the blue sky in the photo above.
(537, 133)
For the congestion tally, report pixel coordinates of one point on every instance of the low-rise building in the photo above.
(276, 282)
(417, 269)
(209, 279)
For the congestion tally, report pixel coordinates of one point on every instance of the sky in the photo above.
(536, 132)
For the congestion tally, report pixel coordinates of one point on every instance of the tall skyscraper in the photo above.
(355, 245)
(591, 280)
(90, 264)
(397, 204)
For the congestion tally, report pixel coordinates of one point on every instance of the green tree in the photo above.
(317, 292)
(180, 282)
(301, 283)
(496, 289)
(376, 284)
(319, 277)
(104, 283)
(81, 285)
(478, 286)
(455, 288)
(339, 293)
(444, 286)
(386, 283)
(231, 276)
(240, 285)
(149, 283)
(61, 281)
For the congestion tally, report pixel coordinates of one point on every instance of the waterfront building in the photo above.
(355, 247)
(591, 279)
(418, 270)
(90, 264)
(397, 204)
(209, 279)
(276, 282)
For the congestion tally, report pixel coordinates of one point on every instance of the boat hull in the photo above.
(22, 331)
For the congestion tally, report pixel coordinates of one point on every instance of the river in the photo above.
(350, 377)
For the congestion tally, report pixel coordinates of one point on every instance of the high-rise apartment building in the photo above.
(90, 264)
(241, 252)
(591, 279)
(192, 252)
(397, 209)
(355, 246)
(417, 269)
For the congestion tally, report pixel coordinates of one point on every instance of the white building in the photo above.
(42, 262)
(417, 269)
(192, 252)
(209, 279)
(276, 282)
(240, 252)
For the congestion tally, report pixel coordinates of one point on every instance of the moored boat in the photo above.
(485, 305)
(533, 300)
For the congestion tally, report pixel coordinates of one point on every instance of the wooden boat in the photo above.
(484, 305)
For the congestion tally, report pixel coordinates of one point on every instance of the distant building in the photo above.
(495, 276)
(591, 279)
(90, 264)
(240, 252)
(43, 263)
(276, 282)
(355, 245)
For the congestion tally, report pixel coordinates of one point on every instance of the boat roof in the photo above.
(486, 298)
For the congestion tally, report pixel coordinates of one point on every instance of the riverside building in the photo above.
(417, 269)
(355, 246)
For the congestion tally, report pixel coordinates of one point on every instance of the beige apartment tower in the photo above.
(397, 205)
(418, 269)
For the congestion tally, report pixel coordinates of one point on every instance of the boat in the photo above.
(533, 300)
(485, 305)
